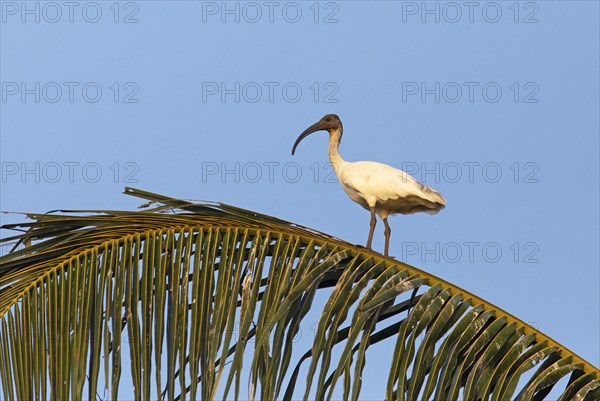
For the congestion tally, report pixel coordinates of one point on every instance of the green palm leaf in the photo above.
(179, 289)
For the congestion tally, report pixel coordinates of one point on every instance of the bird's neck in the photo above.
(336, 160)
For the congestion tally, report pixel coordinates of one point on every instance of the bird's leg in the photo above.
(388, 232)
(372, 229)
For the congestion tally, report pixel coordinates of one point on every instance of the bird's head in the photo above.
(330, 123)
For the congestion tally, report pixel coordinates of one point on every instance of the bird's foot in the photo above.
(365, 246)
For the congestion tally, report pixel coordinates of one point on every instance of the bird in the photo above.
(377, 187)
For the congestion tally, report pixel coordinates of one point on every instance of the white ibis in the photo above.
(377, 187)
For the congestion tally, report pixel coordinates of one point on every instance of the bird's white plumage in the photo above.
(388, 190)
(377, 187)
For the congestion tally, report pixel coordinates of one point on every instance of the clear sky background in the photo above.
(494, 104)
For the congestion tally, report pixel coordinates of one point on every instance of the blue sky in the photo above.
(495, 105)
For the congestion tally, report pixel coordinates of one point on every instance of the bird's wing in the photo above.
(386, 182)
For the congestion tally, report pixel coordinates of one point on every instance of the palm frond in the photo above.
(178, 289)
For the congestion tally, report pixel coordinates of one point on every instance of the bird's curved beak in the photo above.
(318, 126)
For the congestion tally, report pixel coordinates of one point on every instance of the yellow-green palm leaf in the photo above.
(165, 289)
